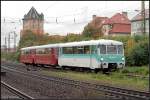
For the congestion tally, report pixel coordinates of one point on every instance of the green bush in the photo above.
(138, 55)
(11, 56)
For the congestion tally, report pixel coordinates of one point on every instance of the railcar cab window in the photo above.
(102, 49)
(111, 49)
(120, 49)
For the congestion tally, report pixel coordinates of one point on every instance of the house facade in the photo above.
(119, 24)
(136, 24)
(33, 21)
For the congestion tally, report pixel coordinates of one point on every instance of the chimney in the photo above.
(94, 16)
(125, 13)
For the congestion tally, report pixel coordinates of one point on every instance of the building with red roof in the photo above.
(119, 24)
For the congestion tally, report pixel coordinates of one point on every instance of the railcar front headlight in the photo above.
(122, 58)
(102, 59)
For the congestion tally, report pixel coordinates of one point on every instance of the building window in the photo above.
(33, 24)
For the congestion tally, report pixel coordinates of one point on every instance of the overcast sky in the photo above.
(65, 11)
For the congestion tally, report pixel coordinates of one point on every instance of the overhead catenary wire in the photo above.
(75, 14)
(75, 19)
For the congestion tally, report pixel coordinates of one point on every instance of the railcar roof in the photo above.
(92, 42)
(80, 43)
(40, 46)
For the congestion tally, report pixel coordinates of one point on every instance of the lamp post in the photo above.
(143, 16)
(143, 22)
(15, 35)
(8, 42)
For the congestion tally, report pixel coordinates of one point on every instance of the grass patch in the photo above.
(142, 70)
(115, 79)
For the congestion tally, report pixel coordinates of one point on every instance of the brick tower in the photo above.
(33, 21)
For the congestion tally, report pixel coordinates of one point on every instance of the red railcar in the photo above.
(27, 56)
(40, 55)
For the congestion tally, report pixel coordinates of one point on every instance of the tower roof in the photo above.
(33, 14)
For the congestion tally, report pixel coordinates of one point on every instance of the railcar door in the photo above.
(54, 56)
(93, 56)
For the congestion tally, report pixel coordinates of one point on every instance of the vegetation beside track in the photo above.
(11, 56)
(142, 70)
(117, 78)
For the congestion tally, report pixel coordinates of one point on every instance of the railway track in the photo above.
(59, 69)
(20, 94)
(137, 76)
(108, 90)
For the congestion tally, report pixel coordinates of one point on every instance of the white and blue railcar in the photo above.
(94, 54)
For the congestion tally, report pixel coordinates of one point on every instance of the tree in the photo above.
(90, 31)
(72, 37)
(138, 54)
(30, 39)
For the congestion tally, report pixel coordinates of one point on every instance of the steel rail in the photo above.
(16, 91)
(128, 75)
(118, 92)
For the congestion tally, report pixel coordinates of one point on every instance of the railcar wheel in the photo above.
(105, 71)
(96, 70)
(73, 68)
(63, 67)
(92, 70)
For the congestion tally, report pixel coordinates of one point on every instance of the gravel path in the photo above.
(6, 94)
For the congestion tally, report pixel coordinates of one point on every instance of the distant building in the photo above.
(5, 49)
(136, 22)
(33, 21)
(119, 24)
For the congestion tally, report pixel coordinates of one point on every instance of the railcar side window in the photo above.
(75, 50)
(64, 50)
(27, 51)
(120, 49)
(80, 50)
(86, 49)
(32, 51)
(68, 50)
(40, 51)
(22, 52)
(47, 50)
(102, 49)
